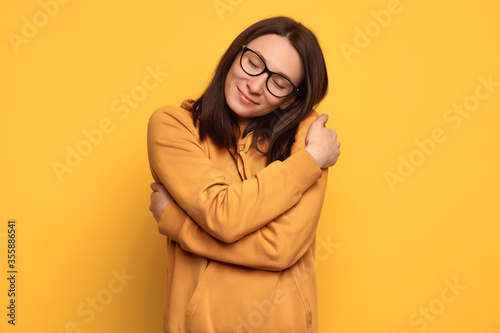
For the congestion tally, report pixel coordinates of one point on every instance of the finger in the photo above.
(156, 187)
(161, 189)
(321, 120)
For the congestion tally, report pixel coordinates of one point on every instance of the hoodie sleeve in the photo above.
(226, 211)
(276, 246)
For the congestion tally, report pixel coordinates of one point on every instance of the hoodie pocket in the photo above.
(301, 290)
(199, 291)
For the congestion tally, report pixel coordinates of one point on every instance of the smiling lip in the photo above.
(245, 99)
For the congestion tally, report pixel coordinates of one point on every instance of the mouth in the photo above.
(245, 99)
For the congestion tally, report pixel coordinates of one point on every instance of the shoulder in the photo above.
(172, 116)
(170, 113)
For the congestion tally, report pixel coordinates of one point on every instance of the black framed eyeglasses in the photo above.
(277, 84)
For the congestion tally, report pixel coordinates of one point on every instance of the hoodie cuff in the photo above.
(304, 168)
(171, 221)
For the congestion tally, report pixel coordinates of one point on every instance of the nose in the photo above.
(257, 84)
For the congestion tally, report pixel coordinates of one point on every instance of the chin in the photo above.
(238, 107)
(247, 113)
(241, 114)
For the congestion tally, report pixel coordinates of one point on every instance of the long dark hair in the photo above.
(216, 120)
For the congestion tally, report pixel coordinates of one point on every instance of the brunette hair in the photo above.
(216, 120)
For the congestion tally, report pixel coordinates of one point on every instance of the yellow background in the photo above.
(387, 252)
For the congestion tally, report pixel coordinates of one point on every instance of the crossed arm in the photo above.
(275, 246)
(271, 237)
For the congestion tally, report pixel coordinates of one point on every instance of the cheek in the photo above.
(273, 102)
(231, 78)
(228, 83)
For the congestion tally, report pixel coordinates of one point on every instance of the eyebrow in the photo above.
(265, 61)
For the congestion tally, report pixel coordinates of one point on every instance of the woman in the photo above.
(244, 175)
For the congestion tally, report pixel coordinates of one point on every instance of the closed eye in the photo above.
(252, 64)
(279, 86)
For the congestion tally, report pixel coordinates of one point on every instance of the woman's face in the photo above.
(247, 95)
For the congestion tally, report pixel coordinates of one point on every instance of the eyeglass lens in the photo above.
(253, 65)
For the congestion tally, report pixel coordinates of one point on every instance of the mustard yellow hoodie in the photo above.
(240, 234)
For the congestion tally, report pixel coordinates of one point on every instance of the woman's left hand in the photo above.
(159, 200)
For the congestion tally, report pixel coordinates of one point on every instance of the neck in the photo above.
(243, 121)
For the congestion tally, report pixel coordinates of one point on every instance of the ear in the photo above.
(287, 102)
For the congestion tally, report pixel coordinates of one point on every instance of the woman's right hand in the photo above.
(160, 198)
(322, 143)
